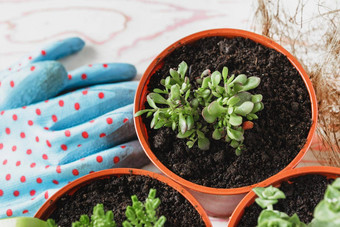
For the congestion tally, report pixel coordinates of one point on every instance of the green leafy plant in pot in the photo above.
(222, 100)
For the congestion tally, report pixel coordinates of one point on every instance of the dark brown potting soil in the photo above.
(278, 135)
(302, 196)
(115, 194)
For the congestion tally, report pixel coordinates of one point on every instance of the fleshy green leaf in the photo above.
(157, 90)
(190, 144)
(190, 122)
(200, 134)
(230, 110)
(160, 222)
(186, 134)
(225, 74)
(151, 102)
(253, 116)
(159, 124)
(216, 134)
(167, 81)
(187, 94)
(215, 109)
(157, 98)
(207, 116)
(206, 93)
(182, 69)
(233, 100)
(231, 78)
(150, 113)
(257, 107)
(141, 112)
(244, 109)
(251, 83)
(175, 75)
(234, 144)
(234, 134)
(175, 93)
(241, 79)
(256, 98)
(182, 123)
(235, 120)
(243, 96)
(216, 78)
(205, 83)
(238, 151)
(336, 183)
(154, 119)
(203, 143)
(205, 73)
(174, 126)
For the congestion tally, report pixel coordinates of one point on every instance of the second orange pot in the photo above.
(50, 205)
(216, 201)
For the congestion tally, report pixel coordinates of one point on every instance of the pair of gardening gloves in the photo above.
(56, 126)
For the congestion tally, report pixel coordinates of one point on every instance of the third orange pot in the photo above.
(329, 172)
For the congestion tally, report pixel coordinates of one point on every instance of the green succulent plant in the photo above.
(228, 104)
(175, 110)
(222, 101)
(138, 215)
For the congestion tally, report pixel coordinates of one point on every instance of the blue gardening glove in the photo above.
(47, 140)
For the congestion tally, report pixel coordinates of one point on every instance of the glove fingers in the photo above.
(42, 181)
(128, 154)
(110, 129)
(32, 84)
(83, 105)
(99, 73)
(52, 51)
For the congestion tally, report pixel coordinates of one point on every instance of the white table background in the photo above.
(133, 31)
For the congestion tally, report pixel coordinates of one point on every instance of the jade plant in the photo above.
(139, 215)
(223, 101)
(326, 213)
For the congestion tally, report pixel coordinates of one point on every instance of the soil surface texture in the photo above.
(278, 135)
(115, 194)
(302, 195)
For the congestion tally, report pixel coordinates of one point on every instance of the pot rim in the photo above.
(249, 199)
(226, 32)
(45, 210)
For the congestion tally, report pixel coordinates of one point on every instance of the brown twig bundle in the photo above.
(310, 30)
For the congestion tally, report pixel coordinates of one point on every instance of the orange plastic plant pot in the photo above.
(249, 199)
(50, 205)
(216, 201)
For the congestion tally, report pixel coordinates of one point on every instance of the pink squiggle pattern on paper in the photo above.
(196, 16)
(12, 25)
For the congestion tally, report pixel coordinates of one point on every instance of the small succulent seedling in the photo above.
(267, 197)
(221, 100)
(326, 213)
(138, 215)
